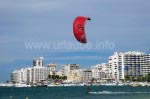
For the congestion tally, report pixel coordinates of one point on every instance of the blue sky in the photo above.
(119, 25)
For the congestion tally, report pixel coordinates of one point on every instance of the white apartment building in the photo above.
(35, 74)
(147, 68)
(15, 76)
(100, 71)
(68, 67)
(39, 74)
(51, 69)
(130, 63)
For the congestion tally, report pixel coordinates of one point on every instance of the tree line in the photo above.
(140, 78)
(57, 77)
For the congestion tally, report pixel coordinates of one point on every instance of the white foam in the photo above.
(109, 92)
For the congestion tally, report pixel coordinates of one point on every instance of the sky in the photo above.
(35, 28)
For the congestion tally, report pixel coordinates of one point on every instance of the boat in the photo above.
(6, 85)
(22, 85)
(109, 84)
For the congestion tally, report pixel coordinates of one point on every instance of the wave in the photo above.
(109, 92)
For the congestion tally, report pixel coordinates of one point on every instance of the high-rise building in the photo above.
(38, 61)
(39, 74)
(33, 75)
(132, 64)
(147, 68)
(15, 76)
(19, 76)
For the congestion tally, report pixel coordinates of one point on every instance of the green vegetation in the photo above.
(54, 77)
(127, 78)
(139, 79)
(148, 78)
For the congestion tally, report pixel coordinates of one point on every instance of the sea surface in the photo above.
(77, 92)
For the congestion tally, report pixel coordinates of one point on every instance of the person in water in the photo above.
(88, 90)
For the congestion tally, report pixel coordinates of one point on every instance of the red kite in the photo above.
(78, 28)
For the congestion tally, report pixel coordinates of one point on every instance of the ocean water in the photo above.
(97, 92)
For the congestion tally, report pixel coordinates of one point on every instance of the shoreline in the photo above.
(133, 84)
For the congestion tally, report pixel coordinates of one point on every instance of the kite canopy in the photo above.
(78, 28)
